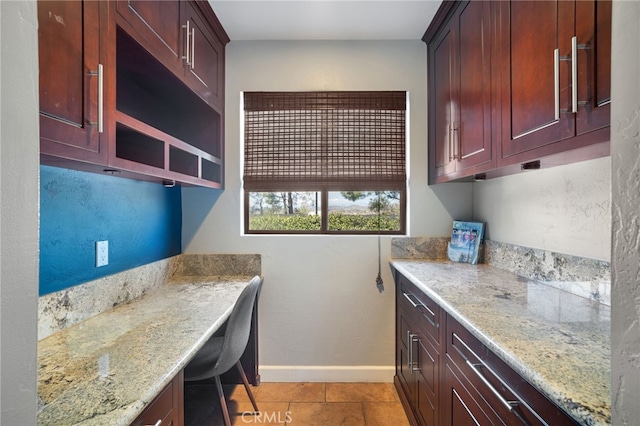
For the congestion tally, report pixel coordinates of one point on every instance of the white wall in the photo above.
(19, 171)
(566, 209)
(625, 155)
(321, 316)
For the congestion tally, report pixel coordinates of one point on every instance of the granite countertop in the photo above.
(106, 369)
(558, 341)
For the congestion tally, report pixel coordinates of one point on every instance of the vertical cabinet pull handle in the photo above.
(410, 343)
(187, 49)
(556, 83)
(414, 339)
(193, 48)
(574, 74)
(100, 74)
(411, 339)
(100, 99)
(455, 141)
(450, 143)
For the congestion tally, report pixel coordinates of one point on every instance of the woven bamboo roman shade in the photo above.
(337, 141)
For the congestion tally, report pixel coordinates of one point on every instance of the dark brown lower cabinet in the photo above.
(167, 409)
(418, 354)
(447, 377)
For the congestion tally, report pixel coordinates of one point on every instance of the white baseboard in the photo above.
(333, 373)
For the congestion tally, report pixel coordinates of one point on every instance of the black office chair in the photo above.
(220, 353)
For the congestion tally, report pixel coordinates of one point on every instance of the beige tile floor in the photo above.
(299, 404)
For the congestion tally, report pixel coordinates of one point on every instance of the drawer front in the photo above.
(426, 313)
(487, 378)
(461, 408)
(159, 409)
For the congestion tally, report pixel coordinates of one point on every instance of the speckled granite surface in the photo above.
(104, 370)
(109, 346)
(64, 308)
(584, 277)
(581, 276)
(556, 340)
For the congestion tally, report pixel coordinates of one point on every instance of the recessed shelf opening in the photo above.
(135, 146)
(150, 93)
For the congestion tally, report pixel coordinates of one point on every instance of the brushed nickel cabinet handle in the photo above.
(193, 48)
(100, 74)
(187, 49)
(556, 83)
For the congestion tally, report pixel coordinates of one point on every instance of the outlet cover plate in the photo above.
(102, 253)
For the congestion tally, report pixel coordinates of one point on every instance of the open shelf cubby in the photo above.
(154, 108)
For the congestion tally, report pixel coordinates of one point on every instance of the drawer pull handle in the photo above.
(510, 405)
(420, 305)
(414, 304)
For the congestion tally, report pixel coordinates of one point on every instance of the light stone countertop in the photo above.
(106, 369)
(559, 342)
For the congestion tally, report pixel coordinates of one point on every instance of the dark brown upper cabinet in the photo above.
(184, 38)
(555, 77)
(71, 57)
(133, 89)
(459, 55)
(517, 85)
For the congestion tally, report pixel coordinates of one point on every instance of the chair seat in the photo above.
(206, 357)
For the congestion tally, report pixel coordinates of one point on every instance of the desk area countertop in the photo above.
(106, 369)
(557, 341)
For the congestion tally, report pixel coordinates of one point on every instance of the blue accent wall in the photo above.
(141, 220)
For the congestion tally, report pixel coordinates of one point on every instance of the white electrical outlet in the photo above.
(102, 253)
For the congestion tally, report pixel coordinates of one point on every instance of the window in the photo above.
(324, 162)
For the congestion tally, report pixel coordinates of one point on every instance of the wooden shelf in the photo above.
(162, 126)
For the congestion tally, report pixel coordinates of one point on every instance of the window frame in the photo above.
(324, 219)
(381, 182)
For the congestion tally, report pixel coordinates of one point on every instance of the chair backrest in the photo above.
(236, 335)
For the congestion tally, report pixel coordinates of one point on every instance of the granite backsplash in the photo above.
(589, 278)
(62, 309)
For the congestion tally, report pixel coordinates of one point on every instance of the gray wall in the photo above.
(322, 317)
(19, 170)
(566, 209)
(625, 158)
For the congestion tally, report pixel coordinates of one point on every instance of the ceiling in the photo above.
(325, 20)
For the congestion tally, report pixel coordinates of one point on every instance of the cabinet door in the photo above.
(426, 370)
(460, 86)
(69, 55)
(205, 64)
(404, 338)
(593, 38)
(441, 96)
(472, 126)
(536, 82)
(159, 24)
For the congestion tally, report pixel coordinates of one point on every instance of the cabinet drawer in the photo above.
(167, 408)
(489, 380)
(425, 312)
